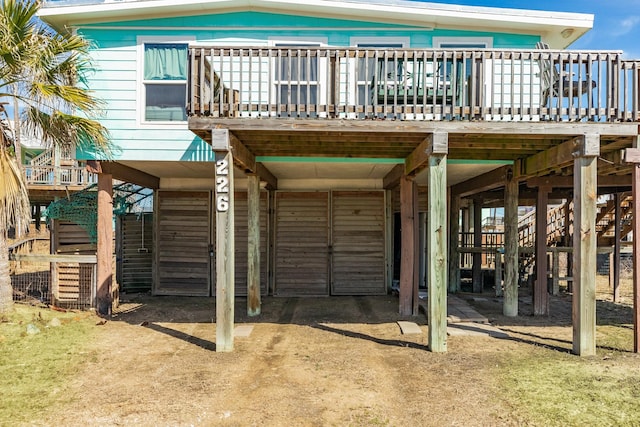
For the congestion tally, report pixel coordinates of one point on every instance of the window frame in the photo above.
(141, 82)
(321, 75)
(373, 43)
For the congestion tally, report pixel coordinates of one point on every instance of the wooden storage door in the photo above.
(358, 241)
(134, 251)
(182, 263)
(241, 241)
(301, 244)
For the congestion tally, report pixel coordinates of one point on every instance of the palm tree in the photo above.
(43, 71)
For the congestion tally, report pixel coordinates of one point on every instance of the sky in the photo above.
(616, 23)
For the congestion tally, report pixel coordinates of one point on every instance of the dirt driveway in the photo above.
(308, 362)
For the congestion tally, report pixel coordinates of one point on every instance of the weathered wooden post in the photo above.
(409, 244)
(476, 268)
(253, 246)
(632, 155)
(540, 291)
(454, 241)
(510, 302)
(437, 238)
(615, 265)
(584, 244)
(104, 253)
(225, 236)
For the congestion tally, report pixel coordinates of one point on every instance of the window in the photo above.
(367, 67)
(296, 75)
(165, 82)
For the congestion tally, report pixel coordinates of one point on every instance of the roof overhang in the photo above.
(558, 29)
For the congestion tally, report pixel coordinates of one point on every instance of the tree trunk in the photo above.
(6, 291)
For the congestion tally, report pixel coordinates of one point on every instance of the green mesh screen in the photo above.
(81, 208)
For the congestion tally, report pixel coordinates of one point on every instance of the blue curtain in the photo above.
(165, 61)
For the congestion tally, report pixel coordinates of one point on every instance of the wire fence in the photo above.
(67, 281)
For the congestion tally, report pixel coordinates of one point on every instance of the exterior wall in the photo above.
(117, 54)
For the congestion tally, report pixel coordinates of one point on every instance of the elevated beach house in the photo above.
(323, 147)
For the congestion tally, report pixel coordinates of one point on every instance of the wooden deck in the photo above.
(412, 84)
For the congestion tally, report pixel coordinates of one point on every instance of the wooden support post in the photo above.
(615, 265)
(636, 257)
(584, 246)
(454, 242)
(409, 244)
(388, 247)
(225, 237)
(568, 241)
(476, 269)
(38, 216)
(104, 252)
(555, 272)
(253, 246)
(437, 237)
(632, 155)
(540, 292)
(510, 303)
(498, 272)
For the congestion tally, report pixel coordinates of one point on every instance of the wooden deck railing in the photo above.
(59, 175)
(412, 84)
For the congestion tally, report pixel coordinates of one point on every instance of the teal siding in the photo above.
(115, 55)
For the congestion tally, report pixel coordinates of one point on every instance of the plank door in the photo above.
(301, 244)
(134, 248)
(241, 241)
(182, 262)
(358, 243)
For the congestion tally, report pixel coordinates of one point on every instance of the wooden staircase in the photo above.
(556, 217)
(605, 219)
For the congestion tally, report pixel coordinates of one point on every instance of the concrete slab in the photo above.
(475, 329)
(242, 331)
(458, 310)
(409, 327)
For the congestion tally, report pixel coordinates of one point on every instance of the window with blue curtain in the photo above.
(165, 81)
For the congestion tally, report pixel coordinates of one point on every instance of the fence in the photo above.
(67, 281)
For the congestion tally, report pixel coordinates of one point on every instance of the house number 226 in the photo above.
(222, 185)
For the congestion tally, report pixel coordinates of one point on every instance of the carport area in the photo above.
(339, 360)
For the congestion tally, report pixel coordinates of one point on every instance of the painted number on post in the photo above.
(222, 185)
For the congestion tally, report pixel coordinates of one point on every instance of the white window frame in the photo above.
(461, 42)
(321, 81)
(141, 93)
(380, 42)
(437, 42)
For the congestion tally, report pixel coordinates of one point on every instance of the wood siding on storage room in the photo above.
(358, 242)
(301, 244)
(182, 263)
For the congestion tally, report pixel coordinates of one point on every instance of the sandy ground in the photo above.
(337, 361)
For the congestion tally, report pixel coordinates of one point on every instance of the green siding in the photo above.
(116, 77)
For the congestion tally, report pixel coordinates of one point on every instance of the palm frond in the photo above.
(14, 198)
(45, 71)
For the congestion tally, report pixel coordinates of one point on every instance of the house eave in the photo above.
(552, 25)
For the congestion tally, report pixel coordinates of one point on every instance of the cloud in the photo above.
(625, 26)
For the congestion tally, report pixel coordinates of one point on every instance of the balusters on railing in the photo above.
(412, 84)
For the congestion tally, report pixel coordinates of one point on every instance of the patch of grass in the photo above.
(554, 389)
(34, 369)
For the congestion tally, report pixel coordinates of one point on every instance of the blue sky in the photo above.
(616, 25)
